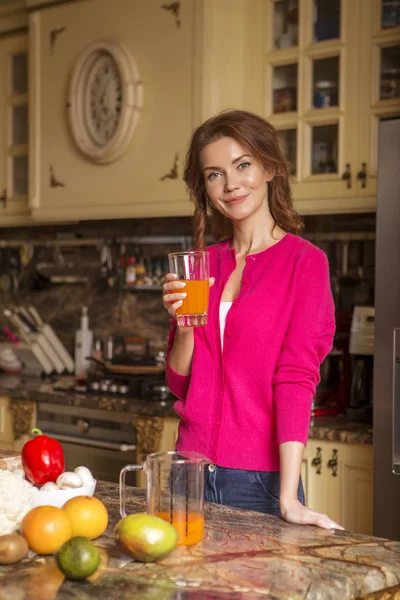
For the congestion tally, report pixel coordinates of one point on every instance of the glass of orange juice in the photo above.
(175, 491)
(193, 268)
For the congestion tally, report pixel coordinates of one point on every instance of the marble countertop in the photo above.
(244, 556)
(337, 428)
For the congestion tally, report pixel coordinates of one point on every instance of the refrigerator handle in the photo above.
(396, 402)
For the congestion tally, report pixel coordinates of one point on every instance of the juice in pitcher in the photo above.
(190, 526)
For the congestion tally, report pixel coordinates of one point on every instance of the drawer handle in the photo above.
(362, 175)
(3, 198)
(333, 463)
(347, 175)
(317, 461)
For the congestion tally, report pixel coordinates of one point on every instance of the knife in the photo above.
(36, 350)
(40, 339)
(53, 340)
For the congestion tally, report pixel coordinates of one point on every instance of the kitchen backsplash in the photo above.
(115, 310)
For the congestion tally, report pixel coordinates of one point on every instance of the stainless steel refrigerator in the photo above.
(386, 398)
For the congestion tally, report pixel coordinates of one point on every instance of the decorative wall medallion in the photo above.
(104, 100)
(175, 9)
(54, 33)
(173, 173)
(54, 182)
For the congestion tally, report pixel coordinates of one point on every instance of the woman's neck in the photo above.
(255, 235)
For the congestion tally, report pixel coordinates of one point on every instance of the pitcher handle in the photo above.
(122, 475)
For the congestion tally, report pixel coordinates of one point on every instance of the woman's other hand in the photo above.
(174, 293)
(295, 512)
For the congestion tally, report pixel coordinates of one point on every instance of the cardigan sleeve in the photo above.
(178, 384)
(308, 340)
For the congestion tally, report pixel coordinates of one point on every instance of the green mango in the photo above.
(145, 537)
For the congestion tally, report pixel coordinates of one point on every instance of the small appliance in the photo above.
(362, 340)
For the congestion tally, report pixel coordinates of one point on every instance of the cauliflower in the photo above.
(15, 501)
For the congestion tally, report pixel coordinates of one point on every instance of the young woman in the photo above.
(246, 380)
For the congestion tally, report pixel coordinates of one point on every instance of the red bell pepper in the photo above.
(42, 458)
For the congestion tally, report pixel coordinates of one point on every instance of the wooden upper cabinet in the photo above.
(379, 91)
(14, 125)
(322, 92)
(147, 179)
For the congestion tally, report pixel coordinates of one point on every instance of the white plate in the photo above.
(59, 497)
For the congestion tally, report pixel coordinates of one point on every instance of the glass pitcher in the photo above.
(175, 491)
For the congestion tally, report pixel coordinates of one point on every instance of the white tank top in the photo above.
(223, 311)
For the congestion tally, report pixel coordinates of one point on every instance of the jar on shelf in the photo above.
(325, 94)
(130, 271)
(390, 14)
(390, 84)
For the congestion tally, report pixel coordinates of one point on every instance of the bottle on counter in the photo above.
(130, 267)
(83, 344)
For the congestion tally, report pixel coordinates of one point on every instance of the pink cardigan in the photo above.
(238, 405)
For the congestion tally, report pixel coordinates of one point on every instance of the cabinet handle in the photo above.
(347, 175)
(362, 175)
(3, 198)
(317, 461)
(333, 463)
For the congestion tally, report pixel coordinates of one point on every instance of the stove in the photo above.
(143, 386)
(102, 440)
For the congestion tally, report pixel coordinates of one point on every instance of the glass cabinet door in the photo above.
(14, 115)
(310, 66)
(380, 83)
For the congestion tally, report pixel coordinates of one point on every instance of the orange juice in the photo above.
(190, 526)
(196, 301)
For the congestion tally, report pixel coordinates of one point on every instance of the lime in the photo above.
(78, 558)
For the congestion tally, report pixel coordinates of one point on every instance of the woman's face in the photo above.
(236, 184)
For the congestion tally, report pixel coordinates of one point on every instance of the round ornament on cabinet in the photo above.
(104, 100)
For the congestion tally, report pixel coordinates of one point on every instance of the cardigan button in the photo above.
(211, 468)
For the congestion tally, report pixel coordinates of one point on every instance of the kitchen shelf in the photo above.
(143, 288)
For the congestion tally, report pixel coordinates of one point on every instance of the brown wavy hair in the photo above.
(261, 141)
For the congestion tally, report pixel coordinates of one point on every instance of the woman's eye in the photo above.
(244, 165)
(212, 176)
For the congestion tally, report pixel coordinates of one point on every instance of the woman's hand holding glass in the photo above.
(174, 293)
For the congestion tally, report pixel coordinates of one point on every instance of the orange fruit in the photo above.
(46, 529)
(88, 516)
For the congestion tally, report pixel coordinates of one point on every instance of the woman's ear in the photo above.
(269, 175)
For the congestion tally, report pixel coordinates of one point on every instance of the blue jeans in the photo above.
(251, 490)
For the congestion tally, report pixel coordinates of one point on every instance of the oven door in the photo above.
(101, 440)
(105, 460)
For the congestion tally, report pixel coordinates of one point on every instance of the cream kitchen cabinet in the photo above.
(146, 180)
(14, 126)
(338, 481)
(192, 60)
(322, 490)
(379, 91)
(328, 77)
(6, 430)
(13, 17)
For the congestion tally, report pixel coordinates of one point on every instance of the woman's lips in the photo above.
(236, 199)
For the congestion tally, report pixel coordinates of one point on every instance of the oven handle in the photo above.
(92, 443)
